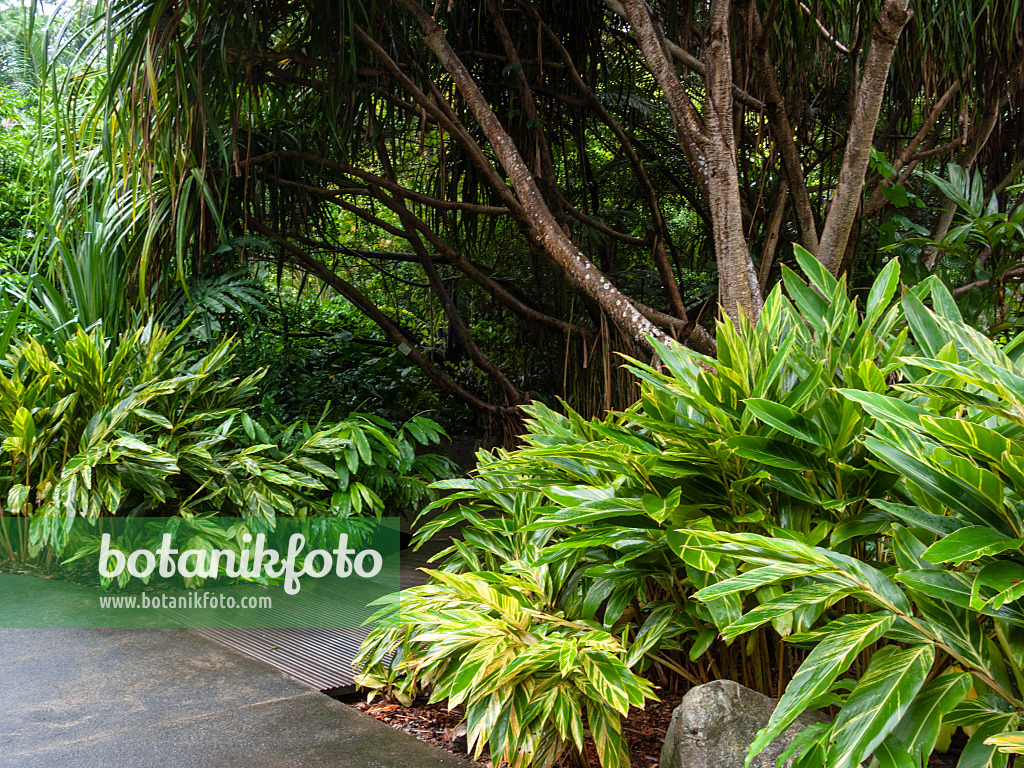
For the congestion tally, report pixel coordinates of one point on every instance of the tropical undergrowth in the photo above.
(144, 426)
(828, 512)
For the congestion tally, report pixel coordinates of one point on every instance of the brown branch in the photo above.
(774, 230)
(981, 136)
(690, 131)
(539, 222)
(909, 155)
(1014, 273)
(1015, 171)
(690, 61)
(824, 31)
(542, 149)
(455, 320)
(668, 278)
(372, 178)
(497, 57)
(847, 198)
(307, 263)
(944, 149)
(782, 133)
(738, 288)
(443, 112)
(475, 272)
(416, 225)
(602, 228)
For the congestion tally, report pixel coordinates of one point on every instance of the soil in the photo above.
(645, 730)
(436, 724)
(81, 572)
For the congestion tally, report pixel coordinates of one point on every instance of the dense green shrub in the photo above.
(139, 426)
(319, 353)
(607, 514)
(949, 592)
(790, 496)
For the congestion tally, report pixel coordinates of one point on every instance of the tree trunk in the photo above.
(709, 147)
(738, 287)
(847, 196)
(967, 159)
(540, 223)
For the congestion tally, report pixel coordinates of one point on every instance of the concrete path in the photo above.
(89, 698)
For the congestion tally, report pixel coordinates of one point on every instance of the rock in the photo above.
(715, 724)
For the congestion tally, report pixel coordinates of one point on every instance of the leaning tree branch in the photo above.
(888, 26)
(540, 224)
(308, 264)
(668, 278)
(967, 158)
(1014, 274)
(475, 272)
(690, 61)
(374, 179)
(909, 154)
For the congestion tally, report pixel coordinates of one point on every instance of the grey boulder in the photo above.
(715, 724)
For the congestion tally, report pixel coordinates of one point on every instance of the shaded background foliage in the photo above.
(329, 149)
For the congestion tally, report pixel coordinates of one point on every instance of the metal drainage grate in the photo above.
(318, 658)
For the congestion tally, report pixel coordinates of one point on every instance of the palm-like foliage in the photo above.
(218, 118)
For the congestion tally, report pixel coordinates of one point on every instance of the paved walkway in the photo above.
(88, 698)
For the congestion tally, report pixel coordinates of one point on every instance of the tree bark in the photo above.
(660, 256)
(709, 147)
(774, 228)
(877, 200)
(398, 205)
(738, 288)
(970, 154)
(846, 199)
(541, 224)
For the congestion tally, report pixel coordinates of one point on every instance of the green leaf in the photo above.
(651, 634)
(17, 498)
(970, 437)
(830, 658)
(922, 323)
(606, 730)
(1006, 578)
(882, 291)
(820, 277)
(918, 731)
(945, 586)
(891, 753)
(786, 420)
(1011, 742)
(969, 544)
(787, 603)
(757, 578)
(877, 704)
(689, 545)
(886, 409)
(974, 502)
(979, 754)
(774, 453)
(702, 642)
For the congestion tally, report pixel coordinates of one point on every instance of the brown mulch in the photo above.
(436, 724)
(79, 572)
(644, 728)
